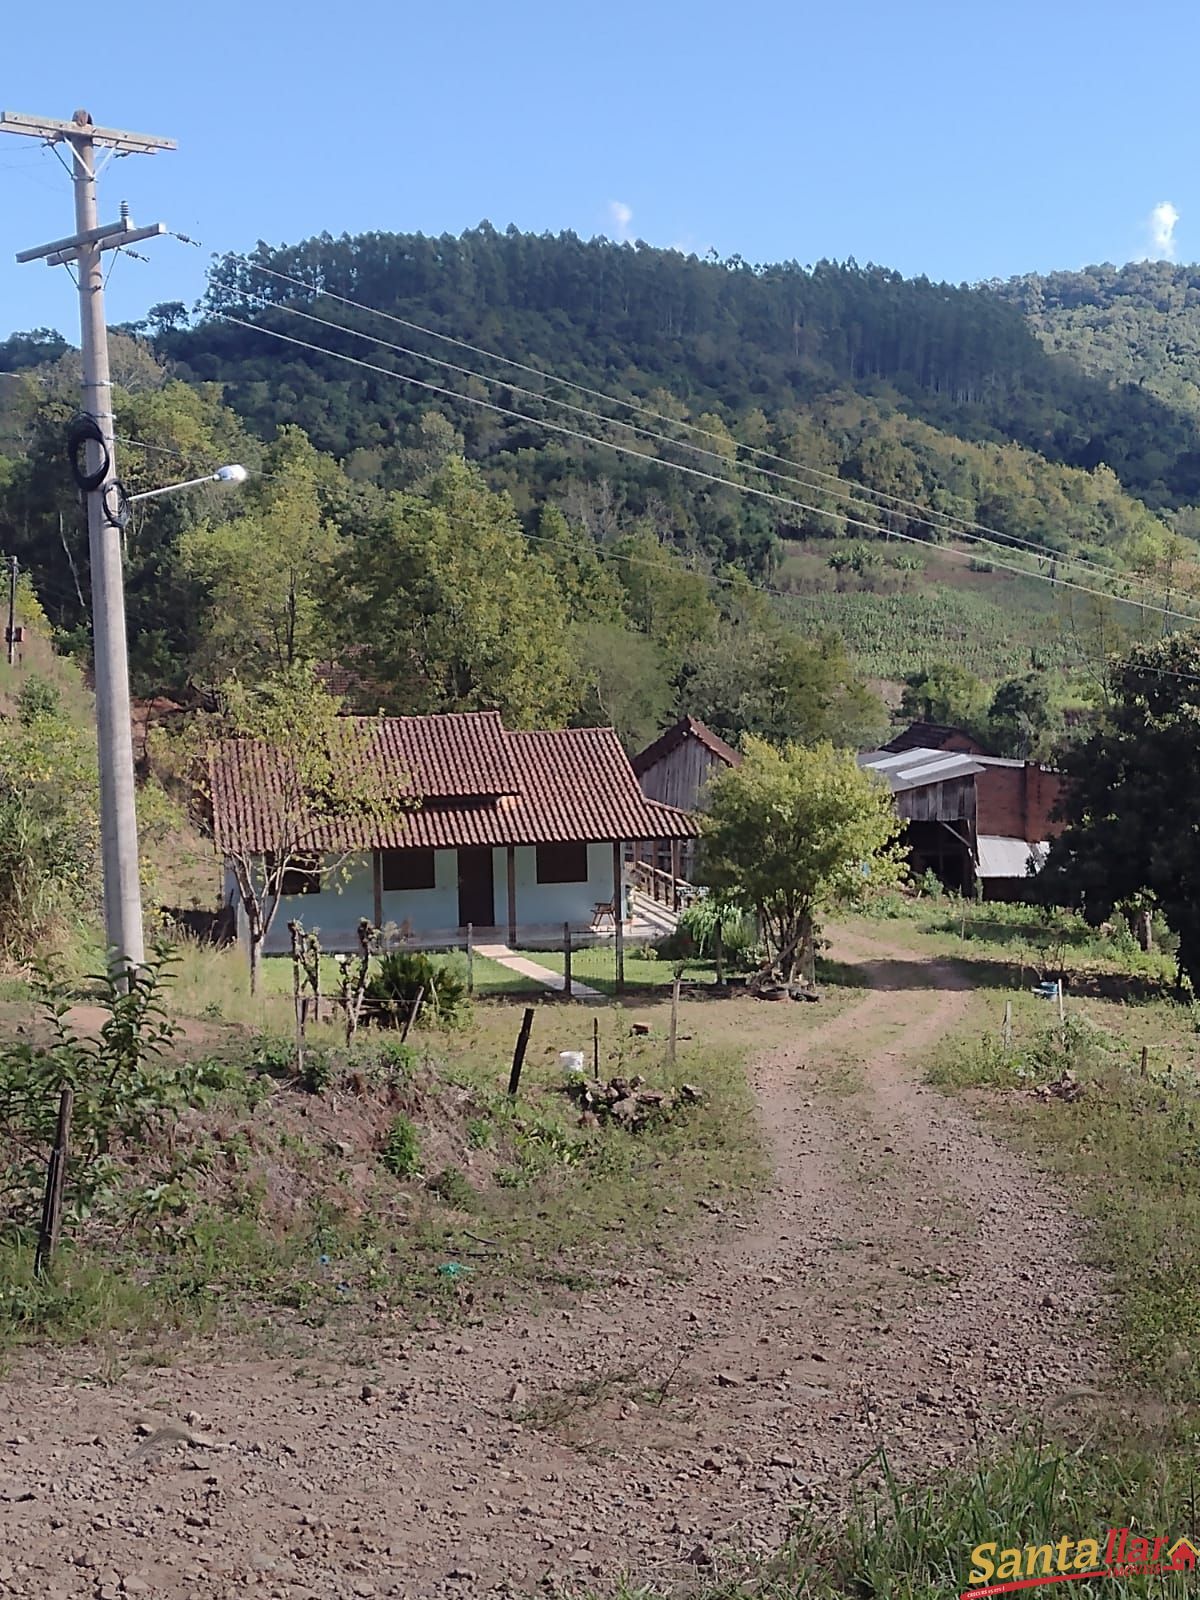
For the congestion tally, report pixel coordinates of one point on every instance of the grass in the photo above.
(596, 965)
(905, 1543)
(514, 1196)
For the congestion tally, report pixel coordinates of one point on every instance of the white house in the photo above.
(513, 833)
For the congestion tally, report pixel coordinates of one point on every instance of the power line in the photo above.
(697, 472)
(714, 578)
(966, 528)
(649, 433)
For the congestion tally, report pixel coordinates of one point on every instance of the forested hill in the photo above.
(605, 584)
(720, 335)
(1136, 324)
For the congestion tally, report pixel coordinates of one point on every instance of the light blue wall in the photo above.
(349, 895)
(548, 905)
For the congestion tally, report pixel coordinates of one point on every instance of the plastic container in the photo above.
(571, 1061)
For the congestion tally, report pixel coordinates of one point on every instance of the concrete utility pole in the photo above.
(11, 631)
(105, 506)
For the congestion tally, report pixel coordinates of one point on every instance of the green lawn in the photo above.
(596, 966)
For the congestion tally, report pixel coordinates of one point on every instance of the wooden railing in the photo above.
(660, 886)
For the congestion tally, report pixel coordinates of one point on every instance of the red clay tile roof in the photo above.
(460, 779)
(686, 727)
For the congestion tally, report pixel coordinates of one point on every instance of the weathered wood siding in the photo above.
(678, 779)
(950, 801)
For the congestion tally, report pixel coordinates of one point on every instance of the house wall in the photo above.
(678, 779)
(952, 800)
(1016, 801)
(433, 913)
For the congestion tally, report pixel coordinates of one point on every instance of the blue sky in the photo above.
(963, 140)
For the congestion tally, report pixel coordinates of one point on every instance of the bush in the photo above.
(401, 1153)
(403, 975)
(453, 1188)
(697, 933)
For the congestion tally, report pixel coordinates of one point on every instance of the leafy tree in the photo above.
(944, 693)
(322, 768)
(767, 681)
(265, 576)
(1020, 721)
(49, 824)
(452, 611)
(623, 682)
(1132, 802)
(792, 832)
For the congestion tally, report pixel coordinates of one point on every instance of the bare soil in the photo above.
(905, 1281)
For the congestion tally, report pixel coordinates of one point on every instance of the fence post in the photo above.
(674, 1015)
(414, 1013)
(1008, 1024)
(1145, 1060)
(719, 954)
(596, 1048)
(56, 1177)
(470, 958)
(567, 960)
(518, 1061)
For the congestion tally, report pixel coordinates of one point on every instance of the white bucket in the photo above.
(571, 1061)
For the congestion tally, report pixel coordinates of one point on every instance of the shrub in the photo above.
(401, 1153)
(453, 1188)
(403, 975)
(318, 1070)
(698, 925)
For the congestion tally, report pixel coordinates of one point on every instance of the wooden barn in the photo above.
(678, 764)
(976, 821)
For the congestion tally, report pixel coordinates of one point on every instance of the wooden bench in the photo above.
(602, 909)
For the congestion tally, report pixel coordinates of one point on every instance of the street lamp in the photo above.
(231, 474)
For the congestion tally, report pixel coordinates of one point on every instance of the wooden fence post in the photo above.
(518, 1061)
(470, 958)
(596, 1048)
(413, 1014)
(567, 960)
(1145, 1060)
(1008, 1024)
(674, 1015)
(619, 919)
(56, 1177)
(719, 954)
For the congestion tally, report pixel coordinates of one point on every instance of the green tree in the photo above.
(265, 576)
(767, 681)
(49, 824)
(1020, 721)
(944, 693)
(1132, 800)
(322, 767)
(453, 612)
(792, 832)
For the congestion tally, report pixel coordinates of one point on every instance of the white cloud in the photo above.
(621, 216)
(1161, 223)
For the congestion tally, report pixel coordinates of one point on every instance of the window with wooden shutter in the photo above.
(407, 869)
(562, 863)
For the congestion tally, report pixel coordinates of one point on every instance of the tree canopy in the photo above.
(1132, 801)
(793, 831)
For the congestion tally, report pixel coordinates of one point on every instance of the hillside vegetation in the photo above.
(476, 558)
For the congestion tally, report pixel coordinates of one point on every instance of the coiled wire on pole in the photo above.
(85, 430)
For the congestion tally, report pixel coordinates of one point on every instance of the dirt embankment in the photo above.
(906, 1280)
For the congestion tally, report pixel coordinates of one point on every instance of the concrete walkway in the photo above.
(530, 969)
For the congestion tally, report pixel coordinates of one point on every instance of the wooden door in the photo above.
(476, 889)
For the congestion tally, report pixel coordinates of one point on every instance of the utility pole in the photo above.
(97, 479)
(11, 633)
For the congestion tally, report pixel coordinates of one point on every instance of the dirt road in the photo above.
(906, 1280)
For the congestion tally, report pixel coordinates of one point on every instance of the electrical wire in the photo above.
(714, 578)
(845, 487)
(697, 472)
